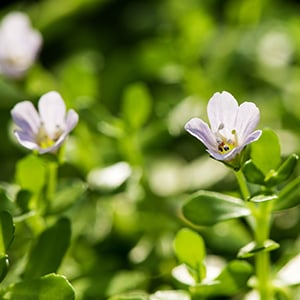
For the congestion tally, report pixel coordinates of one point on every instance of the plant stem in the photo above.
(242, 184)
(52, 181)
(260, 224)
(262, 258)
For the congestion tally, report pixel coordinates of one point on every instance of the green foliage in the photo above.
(136, 72)
(208, 208)
(265, 152)
(49, 287)
(190, 249)
(136, 106)
(231, 280)
(252, 248)
(41, 261)
(31, 173)
(7, 230)
(289, 196)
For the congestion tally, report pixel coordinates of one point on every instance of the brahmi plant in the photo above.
(232, 128)
(44, 132)
(266, 186)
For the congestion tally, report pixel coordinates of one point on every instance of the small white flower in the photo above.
(46, 129)
(19, 45)
(231, 126)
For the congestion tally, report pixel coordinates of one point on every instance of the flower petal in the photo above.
(52, 110)
(222, 109)
(254, 136)
(71, 120)
(224, 157)
(202, 132)
(26, 140)
(247, 118)
(26, 118)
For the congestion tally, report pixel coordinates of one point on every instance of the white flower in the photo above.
(46, 129)
(231, 126)
(19, 45)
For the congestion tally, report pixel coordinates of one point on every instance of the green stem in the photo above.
(242, 184)
(52, 181)
(260, 224)
(262, 258)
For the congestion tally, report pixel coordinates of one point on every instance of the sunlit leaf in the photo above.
(252, 248)
(170, 295)
(208, 208)
(30, 173)
(136, 105)
(265, 152)
(289, 196)
(232, 279)
(263, 198)
(125, 281)
(79, 80)
(284, 171)
(48, 250)
(68, 192)
(190, 249)
(49, 287)
(252, 173)
(131, 296)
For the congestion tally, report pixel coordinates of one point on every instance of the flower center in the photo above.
(44, 140)
(224, 143)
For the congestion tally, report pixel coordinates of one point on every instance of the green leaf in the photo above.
(265, 152)
(68, 192)
(190, 249)
(23, 199)
(136, 105)
(48, 250)
(31, 173)
(78, 78)
(50, 287)
(263, 198)
(170, 295)
(252, 248)
(208, 208)
(131, 296)
(125, 281)
(4, 264)
(232, 279)
(7, 231)
(289, 196)
(284, 171)
(252, 173)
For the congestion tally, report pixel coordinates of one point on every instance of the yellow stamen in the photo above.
(43, 139)
(226, 144)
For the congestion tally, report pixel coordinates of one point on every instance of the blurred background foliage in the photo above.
(136, 72)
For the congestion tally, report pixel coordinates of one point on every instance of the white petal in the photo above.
(222, 109)
(254, 136)
(26, 140)
(71, 120)
(52, 110)
(246, 121)
(202, 132)
(26, 117)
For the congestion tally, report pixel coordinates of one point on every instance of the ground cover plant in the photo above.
(149, 150)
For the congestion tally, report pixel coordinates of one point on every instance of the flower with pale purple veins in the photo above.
(232, 127)
(46, 129)
(19, 44)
